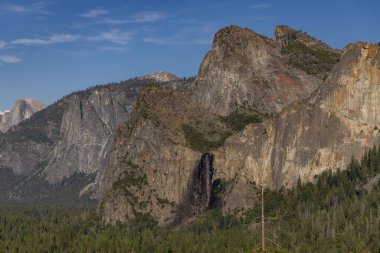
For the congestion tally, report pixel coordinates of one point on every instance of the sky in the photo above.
(51, 48)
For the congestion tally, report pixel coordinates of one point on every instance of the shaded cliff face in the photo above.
(199, 196)
(23, 109)
(25, 147)
(87, 131)
(151, 164)
(73, 136)
(245, 69)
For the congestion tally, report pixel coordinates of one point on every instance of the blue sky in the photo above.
(51, 48)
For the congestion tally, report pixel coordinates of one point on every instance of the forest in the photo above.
(339, 212)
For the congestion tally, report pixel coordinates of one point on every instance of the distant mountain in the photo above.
(161, 76)
(70, 137)
(23, 109)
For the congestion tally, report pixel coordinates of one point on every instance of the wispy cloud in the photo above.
(94, 13)
(115, 36)
(120, 49)
(147, 17)
(38, 8)
(262, 5)
(175, 40)
(53, 39)
(138, 18)
(11, 59)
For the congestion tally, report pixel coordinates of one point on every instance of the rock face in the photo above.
(74, 135)
(199, 196)
(245, 69)
(161, 76)
(23, 109)
(150, 164)
(320, 132)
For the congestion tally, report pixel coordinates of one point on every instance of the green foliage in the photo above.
(130, 178)
(127, 180)
(7, 180)
(213, 136)
(324, 56)
(237, 121)
(335, 214)
(164, 202)
(201, 141)
(312, 60)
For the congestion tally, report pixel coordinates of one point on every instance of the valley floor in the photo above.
(335, 214)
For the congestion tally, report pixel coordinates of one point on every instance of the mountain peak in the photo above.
(161, 76)
(235, 35)
(245, 69)
(2, 113)
(23, 109)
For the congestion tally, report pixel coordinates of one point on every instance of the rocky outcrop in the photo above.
(150, 164)
(308, 136)
(321, 133)
(23, 109)
(161, 76)
(245, 69)
(74, 135)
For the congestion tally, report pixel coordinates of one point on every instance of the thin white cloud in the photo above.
(53, 39)
(11, 59)
(262, 6)
(38, 8)
(120, 49)
(2, 44)
(175, 41)
(115, 36)
(147, 17)
(138, 18)
(95, 13)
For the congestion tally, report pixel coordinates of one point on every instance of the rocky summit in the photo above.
(245, 69)
(23, 109)
(260, 111)
(249, 118)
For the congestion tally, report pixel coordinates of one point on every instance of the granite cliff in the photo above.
(73, 136)
(304, 125)
(245, 69)
(259, 112)
(23, 109)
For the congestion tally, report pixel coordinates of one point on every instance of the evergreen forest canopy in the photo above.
(340, 212)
